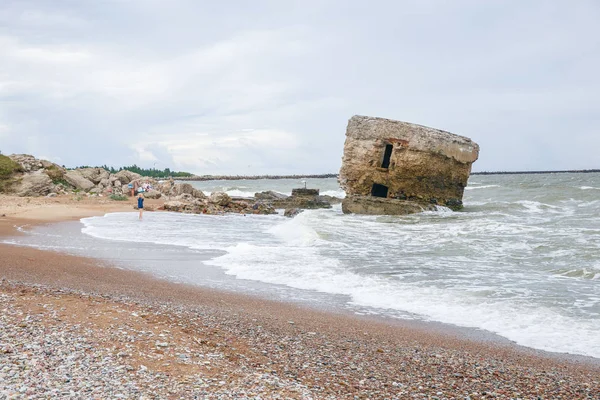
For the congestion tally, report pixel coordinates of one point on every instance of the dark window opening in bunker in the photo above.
(386, 156)
(379, 190)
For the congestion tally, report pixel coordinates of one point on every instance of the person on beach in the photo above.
(141, 204)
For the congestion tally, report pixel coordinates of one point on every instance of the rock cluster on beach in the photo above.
(33, 178)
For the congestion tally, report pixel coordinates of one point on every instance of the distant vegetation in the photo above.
(151, 172)
(7, 168)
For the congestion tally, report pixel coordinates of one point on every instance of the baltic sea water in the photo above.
(521, 260)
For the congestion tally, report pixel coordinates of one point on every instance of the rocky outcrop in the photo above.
(402, 161)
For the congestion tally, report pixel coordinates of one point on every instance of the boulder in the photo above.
(94, 174)
(118, 183)
(292, 212)
(34, 184)
(302, 198)
(77, 180)
(126, 176)
(270, 195)
(182, 188)
(152, 194)
(104, 183)
(176, 206)
(219, 198)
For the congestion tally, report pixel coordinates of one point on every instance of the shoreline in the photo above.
(350, 348)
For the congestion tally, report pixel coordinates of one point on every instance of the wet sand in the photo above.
(66, 318)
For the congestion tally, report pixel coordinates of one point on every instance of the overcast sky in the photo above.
(253, 87)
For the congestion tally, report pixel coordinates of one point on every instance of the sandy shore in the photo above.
(76, 327)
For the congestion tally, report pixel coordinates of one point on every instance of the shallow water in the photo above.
(522, 260)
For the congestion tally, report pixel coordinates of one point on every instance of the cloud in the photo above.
(268, 87)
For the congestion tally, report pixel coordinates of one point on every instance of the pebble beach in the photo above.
(74, 327)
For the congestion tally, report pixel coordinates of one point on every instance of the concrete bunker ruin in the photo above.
(393, 167)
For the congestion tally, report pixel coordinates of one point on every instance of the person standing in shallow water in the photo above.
(141, 204)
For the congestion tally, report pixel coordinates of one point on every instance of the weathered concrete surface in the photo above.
(370, 205)
(426, 165)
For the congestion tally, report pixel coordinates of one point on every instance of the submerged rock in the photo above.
(302, 198)
(378, 206)
(388, 159)
(292, 212)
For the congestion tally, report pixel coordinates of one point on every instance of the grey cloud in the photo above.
(186, 82)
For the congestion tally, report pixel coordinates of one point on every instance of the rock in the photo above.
(219, 198)
(398, 160)
(118, 183)
(302, 198)
(330, 199)
(292, 212)
(27, 162)
(370, 205)
(176, 206)
(51, 195)
(104, 183)
(152, 194)
(126, 176)
(183, 188)
(77, 180)
(94, 175)
(95, 190)
(270, 195)
(34, 184)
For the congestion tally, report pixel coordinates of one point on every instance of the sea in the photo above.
(521, 260)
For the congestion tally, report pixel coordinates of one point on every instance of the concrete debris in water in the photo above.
(393, 167)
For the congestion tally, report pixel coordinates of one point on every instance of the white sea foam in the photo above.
(480, 187)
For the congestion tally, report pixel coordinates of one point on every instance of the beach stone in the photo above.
(34, 184)
(219, 198)
(78, 181)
